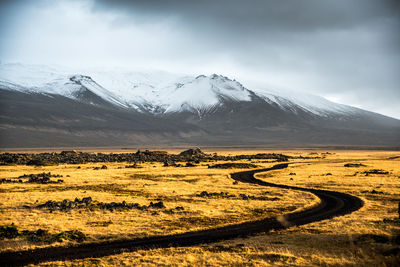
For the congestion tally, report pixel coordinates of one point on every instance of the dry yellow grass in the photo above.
(340, 241)
(172, 185)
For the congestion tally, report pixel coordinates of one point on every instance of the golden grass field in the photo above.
(366, 237)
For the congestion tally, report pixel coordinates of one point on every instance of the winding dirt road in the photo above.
(332, 204)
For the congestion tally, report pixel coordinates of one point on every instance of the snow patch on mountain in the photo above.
(135, 87)
(288, 99)
(43, 79)
(34, 77)
(202, 93)
(88, 83)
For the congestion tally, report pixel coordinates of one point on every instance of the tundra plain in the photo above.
(125, 200)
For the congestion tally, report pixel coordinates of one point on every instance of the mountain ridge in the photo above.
(46, 107)
(168, 94)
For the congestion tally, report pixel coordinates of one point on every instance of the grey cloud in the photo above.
(237, 24)
(292, 15)
(346, 48)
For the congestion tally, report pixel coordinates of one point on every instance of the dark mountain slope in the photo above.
(259, 122)
(49, 120)
(36, 120)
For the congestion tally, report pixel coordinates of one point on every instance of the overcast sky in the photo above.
(347, 51)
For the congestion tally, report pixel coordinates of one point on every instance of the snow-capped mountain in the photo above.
(157, 92)
(47, 106)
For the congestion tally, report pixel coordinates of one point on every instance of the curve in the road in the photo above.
(332, 204)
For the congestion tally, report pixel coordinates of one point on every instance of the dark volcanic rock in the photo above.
(8, 231)
(40, 178)
(69, 153)
(355, 165)
(157, 205)
(375, 171)
(206, 194)
(193, 155)
(40, 235)
(189, 164)
(40, 162)
(215, 195)
(89, 203)
(232, 165)
(192, 152)
(73, 235)
(9, 181)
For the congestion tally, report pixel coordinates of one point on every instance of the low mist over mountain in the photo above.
(44, 107)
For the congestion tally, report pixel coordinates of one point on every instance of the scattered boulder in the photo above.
(40, 162)
(36, 235)
(73, 235)
(249, 197)
(8, 231)
(66, 204)
(103, 167)
(89, 203)
(373, 191)
(189, 164)
(191, 152)
(86, 200)
(227, 195)
(354, 165)
(42, 178)
(9, 181)
(69, 153)
(215, 195)
(232, 165)
(375, 171)
(40, 235)
(157, 205)
(134, 166)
